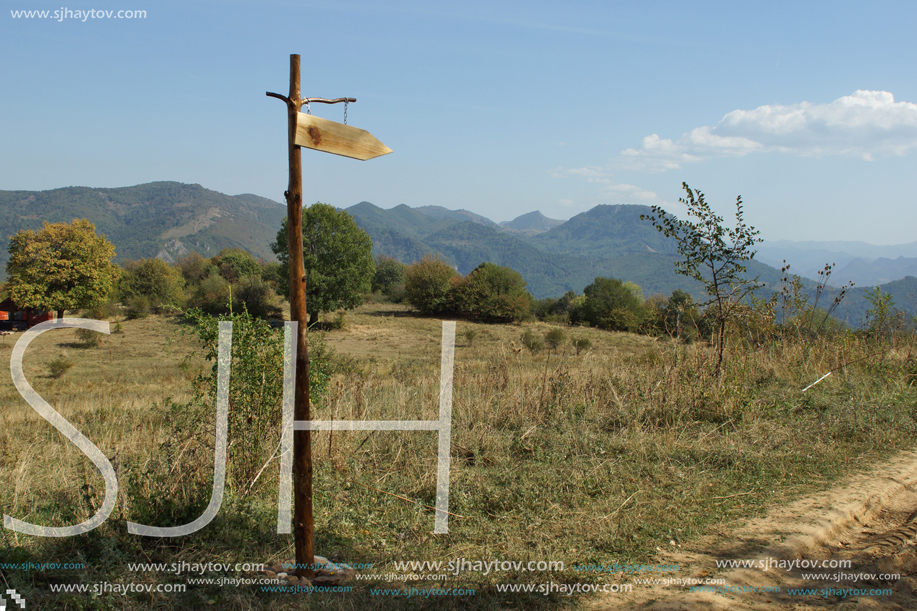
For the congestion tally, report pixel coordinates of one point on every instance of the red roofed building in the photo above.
(14, 318)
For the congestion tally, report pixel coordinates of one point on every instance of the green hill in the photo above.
(606, 231)
(165, 219)
(168, 219)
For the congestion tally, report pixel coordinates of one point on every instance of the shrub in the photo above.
(234, 264)
(494, 293)
(212, 295)
(255, 388)
(389, 274)
(101, 312)
(271, 272)
(610, 304)
(59, 366)
(676, 316)
(340, 321)
(557, 310)
(554, 339)
(195, 267)
(157, 281)
(581, 344)
(531, 341)
(428, 284)
(257, 297)
(88, 338)
(470, 334)
(138, 307)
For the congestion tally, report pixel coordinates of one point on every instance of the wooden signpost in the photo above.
(330, 137)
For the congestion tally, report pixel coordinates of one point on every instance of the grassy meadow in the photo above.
(598, 458)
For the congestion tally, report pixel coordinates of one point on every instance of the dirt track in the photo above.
(869, 520)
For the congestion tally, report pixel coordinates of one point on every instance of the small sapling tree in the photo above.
(712, 255)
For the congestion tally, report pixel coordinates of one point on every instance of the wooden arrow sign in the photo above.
(324, 135)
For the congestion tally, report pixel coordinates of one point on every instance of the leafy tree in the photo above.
(61, 267)
(154, 279)
(678, 316)
(494, 292)
(428, 284)
(713, 256)
(389, 274)
(337, 256)
(636, 290)
(212, 295)
(235, 264)
(611, 305)
(271, 273)
(194, 267)
(257, 298)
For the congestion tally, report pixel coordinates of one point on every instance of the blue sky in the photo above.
(806, 110)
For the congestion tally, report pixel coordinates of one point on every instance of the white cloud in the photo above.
(865, 124)
(612, 192)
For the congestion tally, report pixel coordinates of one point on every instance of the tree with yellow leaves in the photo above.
(61, 267)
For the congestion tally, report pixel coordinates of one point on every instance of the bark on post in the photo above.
(349, 142)
(303, 524)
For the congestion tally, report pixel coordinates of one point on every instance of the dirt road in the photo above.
(858, 534)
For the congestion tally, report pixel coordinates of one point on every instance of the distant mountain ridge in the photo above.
(168, 219)
(859, 262)
(608, 241)
(438, 212)
(160, 219)
(532, 222)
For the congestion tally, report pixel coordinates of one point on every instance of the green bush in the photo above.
(195, 267)
(609, 304)
(557, 310)
(554, 339)
(234, 264)
(340, 321)
(101, 312)
(59, 366)
(531, 341)
(257, 297)
(157, 281)
(581, 344)
(493, 293)
(390, 273)
(255, 391)
(428, 285)
(138, 307)
(88, 338)
(212, 295)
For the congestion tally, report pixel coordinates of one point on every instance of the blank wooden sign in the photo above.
(324, 135)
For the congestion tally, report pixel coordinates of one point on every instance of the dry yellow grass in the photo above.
(590, 459)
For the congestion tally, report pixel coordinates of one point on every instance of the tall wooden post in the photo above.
(303, 522)
(330, 137)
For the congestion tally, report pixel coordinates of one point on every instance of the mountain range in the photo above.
(160, 219)
(169, 219)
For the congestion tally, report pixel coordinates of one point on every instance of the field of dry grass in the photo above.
(590, 459)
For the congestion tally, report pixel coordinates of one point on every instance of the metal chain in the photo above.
(345, 112)
(308, 110)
